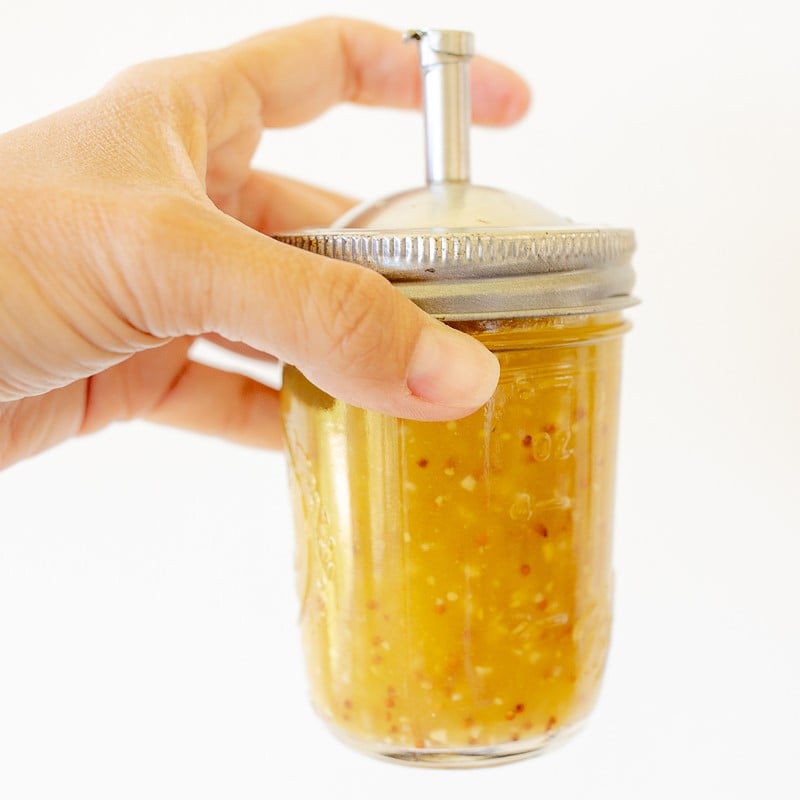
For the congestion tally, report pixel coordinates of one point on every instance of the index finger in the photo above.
(300, 71)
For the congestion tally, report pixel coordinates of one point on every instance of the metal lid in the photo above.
(462, 251)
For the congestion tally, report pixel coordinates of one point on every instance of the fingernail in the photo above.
(450, 369)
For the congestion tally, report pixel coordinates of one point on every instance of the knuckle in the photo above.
(166, 85)
(153, 251)
(153, 223)
(165, 214)
(359, 323)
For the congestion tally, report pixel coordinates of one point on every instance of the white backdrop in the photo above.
(148, 645)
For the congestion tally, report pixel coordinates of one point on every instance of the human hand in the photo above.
(132, 223)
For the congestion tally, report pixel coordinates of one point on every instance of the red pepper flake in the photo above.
(394, 729)
(541, 529)
(348, 704)
(541, 604)
(519, 708)
(482, 539)
(390, 702)
(510, 715)
(376, 641)
(473, 740)
(549, 428)
(515, 737)
(439, 607)
(419, 744)
(423, 462)
(551, 723)
(372, 605)
(525, 569)
(527, 441)
(469, 722)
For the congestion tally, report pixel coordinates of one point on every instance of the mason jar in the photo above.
(455, 577)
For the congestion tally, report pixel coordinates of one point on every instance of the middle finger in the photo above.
(271, 203)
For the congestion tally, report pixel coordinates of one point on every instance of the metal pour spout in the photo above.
(444, 58)
(467, 252)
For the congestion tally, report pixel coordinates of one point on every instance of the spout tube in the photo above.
(444, 59)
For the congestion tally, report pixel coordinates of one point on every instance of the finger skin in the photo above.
(134, 218)
(164, 385)
(341, 324)
(223, 404)
(359, 62)
(272, 203)
(289, 76)
(160, 385)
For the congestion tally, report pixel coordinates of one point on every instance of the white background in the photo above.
(148, 641)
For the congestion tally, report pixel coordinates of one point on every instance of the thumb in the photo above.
(343, 325)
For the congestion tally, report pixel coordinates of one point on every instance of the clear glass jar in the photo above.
(455, 577)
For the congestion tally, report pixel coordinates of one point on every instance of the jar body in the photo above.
(455, 577)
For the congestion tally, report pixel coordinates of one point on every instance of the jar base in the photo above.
(462, 757)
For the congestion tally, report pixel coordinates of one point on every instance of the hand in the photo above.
(132, 223)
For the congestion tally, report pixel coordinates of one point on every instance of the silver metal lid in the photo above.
(462, 251)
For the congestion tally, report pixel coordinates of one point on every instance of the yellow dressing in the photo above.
(455, 577)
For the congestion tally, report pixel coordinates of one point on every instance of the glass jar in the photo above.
(455, 577)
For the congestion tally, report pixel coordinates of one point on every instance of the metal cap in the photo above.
(462, 251)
